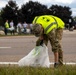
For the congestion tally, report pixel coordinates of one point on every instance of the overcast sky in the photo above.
(70, 3)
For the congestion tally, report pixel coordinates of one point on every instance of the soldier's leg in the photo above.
(60, 57)
(54, 45)
(59, 33)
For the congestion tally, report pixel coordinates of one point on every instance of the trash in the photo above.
(38, 57)
(11, 29)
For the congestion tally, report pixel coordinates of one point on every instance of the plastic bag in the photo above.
(11, 29)
(37, 57)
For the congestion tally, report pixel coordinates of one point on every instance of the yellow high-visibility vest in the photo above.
(6, 25)
(48, 22)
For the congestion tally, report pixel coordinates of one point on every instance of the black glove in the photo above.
(41, 42)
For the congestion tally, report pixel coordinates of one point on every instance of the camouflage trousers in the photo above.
(54, 37)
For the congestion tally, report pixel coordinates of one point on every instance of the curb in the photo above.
(16, 63)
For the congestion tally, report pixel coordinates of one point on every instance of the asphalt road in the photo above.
(13, 48)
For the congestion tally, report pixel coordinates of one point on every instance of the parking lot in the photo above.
(13, 48)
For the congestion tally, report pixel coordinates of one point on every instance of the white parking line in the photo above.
(67, 63)
(11, 63)
(16, 63)
(5, 47)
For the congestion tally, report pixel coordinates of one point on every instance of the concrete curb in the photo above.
(16, 63)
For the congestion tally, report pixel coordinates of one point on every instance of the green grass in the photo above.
(14, 70)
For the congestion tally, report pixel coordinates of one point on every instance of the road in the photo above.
(13, 48)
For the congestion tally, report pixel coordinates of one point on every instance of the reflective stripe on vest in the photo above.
(53, 23)
(36, 19)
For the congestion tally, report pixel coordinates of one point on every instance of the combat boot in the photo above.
(56, 65)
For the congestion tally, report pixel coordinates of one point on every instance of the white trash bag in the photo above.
(37, 57)
(11, 29)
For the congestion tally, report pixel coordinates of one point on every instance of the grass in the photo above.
(15, 70)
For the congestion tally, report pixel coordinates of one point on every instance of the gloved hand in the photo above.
(41, 42)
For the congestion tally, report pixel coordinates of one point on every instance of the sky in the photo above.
(70, 3)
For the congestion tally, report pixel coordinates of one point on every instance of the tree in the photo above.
(10, 11)
(28, 11)
(63, 12)
(1, 20)
(74, 18)
(32, 9)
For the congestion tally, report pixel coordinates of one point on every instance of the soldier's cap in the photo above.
(36, 29)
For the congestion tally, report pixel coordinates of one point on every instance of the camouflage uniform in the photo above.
(54, 37)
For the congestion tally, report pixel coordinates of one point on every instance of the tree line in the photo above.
(29, 10)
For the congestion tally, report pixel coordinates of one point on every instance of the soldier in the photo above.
(12, 29)
(6, 27)
(48, 27)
